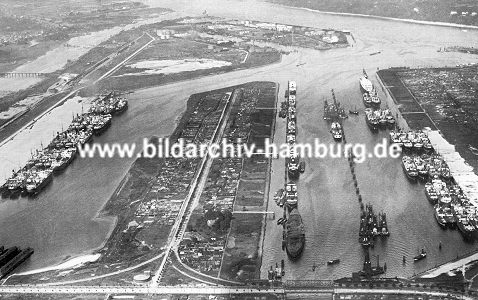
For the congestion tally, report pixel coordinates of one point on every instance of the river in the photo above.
(61, 221)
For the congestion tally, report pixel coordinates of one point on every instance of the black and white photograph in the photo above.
(238, 149)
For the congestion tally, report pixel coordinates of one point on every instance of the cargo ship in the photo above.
(336, 130)
(440, 216)
(421, 168)
(291, 198)
(372, 119)
(465, 215)
(412, 141)
(369, 94)
(61, 151)
(334, 112)
(409, 168)
(37, 181)
(431, 193)
(372, 226)
(291, 127)
(291, 113)
(366, 85)
(292, 88)
(294, 235)
(293, 165)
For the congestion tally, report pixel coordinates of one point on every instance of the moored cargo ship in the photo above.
(409, 168)
(291, 195)
(293, 165)
(336, 130)
(366, 85)
(294, 235)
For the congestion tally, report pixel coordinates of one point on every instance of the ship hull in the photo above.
(41, 186)
(440, 221)
(410, 177)
(467, 235)
(294, 253)
(293, 174)
(365, 89)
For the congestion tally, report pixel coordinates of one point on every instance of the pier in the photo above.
(23, 75)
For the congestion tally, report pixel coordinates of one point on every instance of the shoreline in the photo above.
(410, 21)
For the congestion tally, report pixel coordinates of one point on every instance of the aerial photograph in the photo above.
(238, 149)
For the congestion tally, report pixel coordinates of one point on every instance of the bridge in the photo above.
(22, 74)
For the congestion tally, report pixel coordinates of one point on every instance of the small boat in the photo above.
(333, 261)
(420, 256)
(302, 167)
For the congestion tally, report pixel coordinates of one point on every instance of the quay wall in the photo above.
(393, 105)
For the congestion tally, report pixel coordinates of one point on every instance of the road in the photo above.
(211, 290)
(115, 68)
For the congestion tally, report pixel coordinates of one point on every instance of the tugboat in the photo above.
(333, 261)
(367, 99)
(422, 255)
(294, 235)
(283, 109)
(291, 195)
(382, 225)
(302, 167)
(336, 130)
(354, 111)
(280, 194)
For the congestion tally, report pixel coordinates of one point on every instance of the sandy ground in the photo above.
(19, 107)
(175, 66)
(449, 267)
(75, 262)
